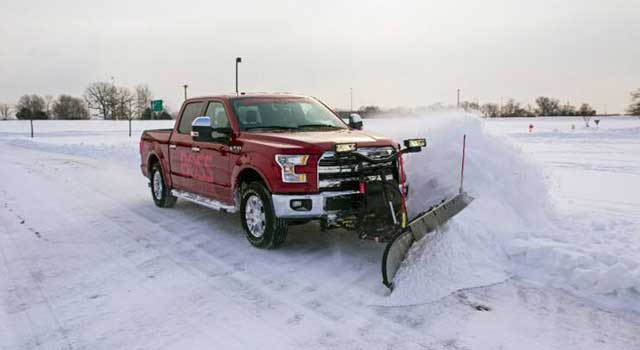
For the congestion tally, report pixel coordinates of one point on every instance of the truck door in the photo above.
(181, 154)
(211, 169)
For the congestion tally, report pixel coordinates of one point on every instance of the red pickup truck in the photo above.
(279, 160)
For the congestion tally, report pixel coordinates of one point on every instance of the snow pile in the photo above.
(510, 195)
(509, 230)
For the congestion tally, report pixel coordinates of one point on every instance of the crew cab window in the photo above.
(191, 112)
(215, 111)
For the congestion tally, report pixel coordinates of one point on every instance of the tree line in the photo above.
(113, 103)
(101, 99)
(544, 107)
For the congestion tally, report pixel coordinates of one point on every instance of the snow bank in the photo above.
(510, 229)
(96, 139)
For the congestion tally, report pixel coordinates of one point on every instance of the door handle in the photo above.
(172, 146)
(195, 149)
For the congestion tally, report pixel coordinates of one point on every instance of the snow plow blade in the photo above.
(418, 228)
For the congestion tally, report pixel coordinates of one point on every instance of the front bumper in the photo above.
(283, 207)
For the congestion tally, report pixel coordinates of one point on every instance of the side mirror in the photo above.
(355, 121)
(201, 131)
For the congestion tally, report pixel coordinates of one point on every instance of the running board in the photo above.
(204, 201)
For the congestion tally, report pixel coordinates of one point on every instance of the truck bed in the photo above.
(156, 141)
(157, 135)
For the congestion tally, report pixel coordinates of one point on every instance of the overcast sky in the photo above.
(393, 53)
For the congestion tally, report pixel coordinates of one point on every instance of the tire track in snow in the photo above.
(33, 270)
(333, 311)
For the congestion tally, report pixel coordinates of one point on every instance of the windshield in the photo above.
(293, 113)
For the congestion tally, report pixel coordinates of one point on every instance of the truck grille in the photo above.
(343, 174)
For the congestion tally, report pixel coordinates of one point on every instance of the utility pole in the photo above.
(238, 60)
(113, 98)
(185, 86)
(458, 98)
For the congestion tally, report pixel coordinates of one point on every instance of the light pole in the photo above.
(458, 98)
(238, 60)
(185, 86)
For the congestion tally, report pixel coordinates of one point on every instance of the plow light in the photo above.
(415, 143)
(345, 147)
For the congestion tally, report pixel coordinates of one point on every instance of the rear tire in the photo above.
(262, 227)
(160, 192)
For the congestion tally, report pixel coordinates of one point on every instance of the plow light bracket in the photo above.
(415, 145)
(345, 147)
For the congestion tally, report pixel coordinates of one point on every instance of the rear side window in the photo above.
(191, 112)
(218, 115)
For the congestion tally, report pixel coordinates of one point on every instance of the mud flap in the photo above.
(418, 228)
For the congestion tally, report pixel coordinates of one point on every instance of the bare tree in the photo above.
(102, 96)
(634, 108)
(586, 110)
(490, 110)
(48, 105)
(547, 106)
(69, 107)
(567, 110)
(124, 103)
(5, 111)
(142, 100)
(31, 107)
(470, 106)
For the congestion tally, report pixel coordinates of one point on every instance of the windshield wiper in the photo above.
(318, 126)
(269, 127)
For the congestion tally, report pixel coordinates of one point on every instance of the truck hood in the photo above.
(317, 142)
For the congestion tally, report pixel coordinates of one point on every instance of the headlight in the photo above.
(288, 165)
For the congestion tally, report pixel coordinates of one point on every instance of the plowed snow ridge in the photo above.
(511, 228)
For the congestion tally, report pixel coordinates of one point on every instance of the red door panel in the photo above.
(180, 159)
(211, 171)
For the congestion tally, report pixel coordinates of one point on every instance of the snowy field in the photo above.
(546, 257)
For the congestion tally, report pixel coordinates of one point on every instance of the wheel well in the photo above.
(152, 161)
(248, 176)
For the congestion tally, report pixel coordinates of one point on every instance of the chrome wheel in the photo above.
(254, 216)
(158, 187)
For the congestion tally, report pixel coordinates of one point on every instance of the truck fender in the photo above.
(239, 171)
(159, 157)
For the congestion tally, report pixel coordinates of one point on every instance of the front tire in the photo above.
(160, 193)
(262, 227)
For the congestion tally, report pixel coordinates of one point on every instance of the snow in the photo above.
(514, 227)
(547, 256)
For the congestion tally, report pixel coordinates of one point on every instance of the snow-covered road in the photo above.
(88, 262)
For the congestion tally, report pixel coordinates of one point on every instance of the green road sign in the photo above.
(156, 105)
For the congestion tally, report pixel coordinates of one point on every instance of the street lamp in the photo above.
(238, 60)
(458, 98)
(185, 86)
